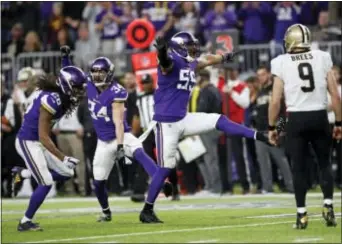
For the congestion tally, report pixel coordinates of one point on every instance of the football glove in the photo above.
(65, 50)
(120, 154)
(161, 44)
(70, 162)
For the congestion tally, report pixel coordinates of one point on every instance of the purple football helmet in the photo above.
(72, 81)
(102, 71)
(185, 45)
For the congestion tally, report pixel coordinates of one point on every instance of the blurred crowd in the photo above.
(90, 27)
(99, 27)
(228, 161)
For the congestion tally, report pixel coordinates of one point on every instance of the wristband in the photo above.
(271, 127)
(338, 123)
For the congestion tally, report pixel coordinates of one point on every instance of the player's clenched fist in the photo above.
(160, 44)
(337, 132)
(65, 50)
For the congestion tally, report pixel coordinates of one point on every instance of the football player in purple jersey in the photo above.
(106, 99)
(45, 162)
(178, 63)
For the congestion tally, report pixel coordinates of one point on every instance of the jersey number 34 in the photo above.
(187, 79)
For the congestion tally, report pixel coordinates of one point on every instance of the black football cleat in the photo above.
(28, 226)
(17, 180)
(329, 215)
(302, 221)
(105, 218)
(149, 217)
(167, 189)
(175, 197)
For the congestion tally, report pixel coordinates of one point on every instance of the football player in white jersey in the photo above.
(305, 76)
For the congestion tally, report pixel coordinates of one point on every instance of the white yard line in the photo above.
(270, 216)
(303, 240)
(121, 199)
(205, 241)
(166, 231)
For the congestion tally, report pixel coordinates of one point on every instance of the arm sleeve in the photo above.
(51, 103)
(242, 99)
(276, 68)
(66, 61)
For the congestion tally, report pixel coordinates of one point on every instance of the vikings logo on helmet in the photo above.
(185, 45)
(102, 71)
(71, 80)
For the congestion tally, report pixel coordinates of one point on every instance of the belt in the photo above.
(67, 132)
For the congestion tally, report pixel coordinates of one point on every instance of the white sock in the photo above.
(301, 210)
(328, 201)
(25, 219)
(25, 173)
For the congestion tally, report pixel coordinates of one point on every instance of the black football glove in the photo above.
(120, 154)
(65, 50)
(229, 57)
(161, 44)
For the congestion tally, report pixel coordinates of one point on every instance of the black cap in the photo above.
(146, 79)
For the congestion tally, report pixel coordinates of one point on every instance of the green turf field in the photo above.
(252, 218)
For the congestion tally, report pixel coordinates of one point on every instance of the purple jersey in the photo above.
(172, 95)
(50, 101)
(100, 107)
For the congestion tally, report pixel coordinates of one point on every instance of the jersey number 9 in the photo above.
(306, 73)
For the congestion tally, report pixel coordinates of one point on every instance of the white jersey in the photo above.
(304, 76)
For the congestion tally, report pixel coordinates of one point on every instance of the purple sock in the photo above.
(36, 200)
(157, 184)
(231, 128)
(58, 177)
(145, 161)
(101, 193)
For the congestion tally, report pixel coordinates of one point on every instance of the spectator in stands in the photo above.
(253, 85)
(16, 44)
(108, 24)
(129, 14)
(84, 49)
(160, 14)
(253, 17)
(187, 18)
(29, 15)
(219, 19)
(32, 42)
(325, 31)
(309, 12)
(72, 12)
(89, 14)
(210, 101)
(287, 14)
(238, 101)
(56, 23)
(62, 39)
(265, 152)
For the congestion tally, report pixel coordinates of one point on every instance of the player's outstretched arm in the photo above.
(164, 60)
(45, 119)
(65, 53)
(274, 109)
(213, 59)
